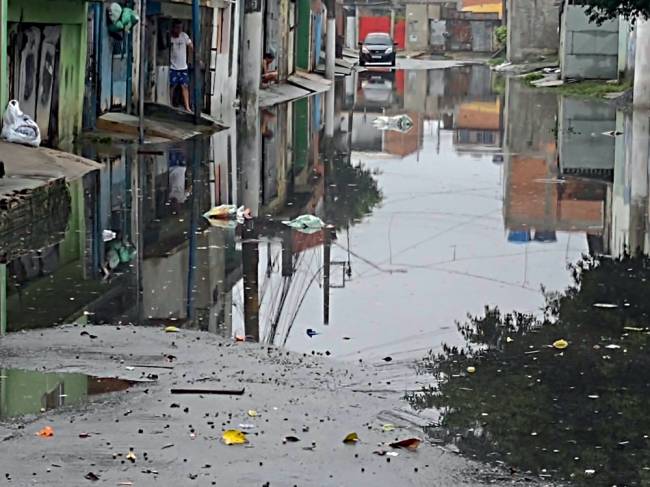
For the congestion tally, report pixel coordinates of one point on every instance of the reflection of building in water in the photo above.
(382, 93)
(584, 149)
(55, 280)
(460, 99)
(478, 126)
(630, 220)
(539, 198)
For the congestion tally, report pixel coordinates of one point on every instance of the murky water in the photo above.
(29, 392)
(448, 191)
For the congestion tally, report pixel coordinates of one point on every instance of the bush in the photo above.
(501, 34)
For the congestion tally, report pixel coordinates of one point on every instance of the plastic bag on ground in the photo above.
(227, 215)
(306, 224)
(19, 128)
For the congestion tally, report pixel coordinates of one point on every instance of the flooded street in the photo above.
(423, 219)
(452, 197)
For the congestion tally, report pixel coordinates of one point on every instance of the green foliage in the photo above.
(601, 10)
(501, 34)
(540, 409)
(495, 61)
(535, 76)
(597, 89)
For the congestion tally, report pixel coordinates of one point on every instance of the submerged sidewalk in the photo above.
(177, 439)
(34, 198)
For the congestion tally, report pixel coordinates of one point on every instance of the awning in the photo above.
(281, 93)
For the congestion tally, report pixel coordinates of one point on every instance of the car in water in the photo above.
(377, 48)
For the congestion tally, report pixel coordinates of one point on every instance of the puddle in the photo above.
(579, 413)
(25, 392)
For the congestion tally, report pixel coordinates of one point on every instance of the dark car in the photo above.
(377, 48)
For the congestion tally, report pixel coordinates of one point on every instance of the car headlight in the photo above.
(365, 50)
(389, 50)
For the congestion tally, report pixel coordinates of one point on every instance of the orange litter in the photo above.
(46, 432)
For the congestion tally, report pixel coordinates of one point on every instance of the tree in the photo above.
(601, 10)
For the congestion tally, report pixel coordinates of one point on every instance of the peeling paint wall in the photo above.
(70, 76)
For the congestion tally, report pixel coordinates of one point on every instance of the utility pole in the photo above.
(248, 124)
(142, 71)
(327, 231)
(642, 65)
(250, 68)
(196, 36)
(330, 47)
(250, 261)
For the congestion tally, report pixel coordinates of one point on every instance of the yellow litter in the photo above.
(234, 437)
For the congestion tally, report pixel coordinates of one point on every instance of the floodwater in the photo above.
(446, 191)
(26, 392)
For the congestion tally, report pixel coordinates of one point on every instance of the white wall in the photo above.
(224, 89)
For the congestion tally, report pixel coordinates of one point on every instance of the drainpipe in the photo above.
(142, 71)
(330, 47)
(196, 36)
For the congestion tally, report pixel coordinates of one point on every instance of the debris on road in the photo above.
(223, 392)
(234, 437)
(46, 432)
(409, 443)
(351, 439)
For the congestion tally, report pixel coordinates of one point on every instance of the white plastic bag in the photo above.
(18, 127)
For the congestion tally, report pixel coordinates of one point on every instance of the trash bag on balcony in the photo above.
(18, 127)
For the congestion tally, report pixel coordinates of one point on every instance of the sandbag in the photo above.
(18, 127)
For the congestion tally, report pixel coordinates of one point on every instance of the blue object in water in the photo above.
(519, 236)
(311, 333)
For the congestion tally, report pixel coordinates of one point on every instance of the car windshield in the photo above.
(379, 39)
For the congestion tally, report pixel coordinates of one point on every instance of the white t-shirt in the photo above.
(178, 56)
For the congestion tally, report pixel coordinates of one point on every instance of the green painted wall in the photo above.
(72, 15)
(303, 39)
(4, 85)
(72, 247)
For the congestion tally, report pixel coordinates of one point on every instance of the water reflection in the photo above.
(493, 189)
(505, 394)
(578, 414)
(28, 392)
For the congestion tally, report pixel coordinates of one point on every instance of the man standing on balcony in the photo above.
(181, 47)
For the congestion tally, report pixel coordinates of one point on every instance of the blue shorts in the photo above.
(179, 77)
